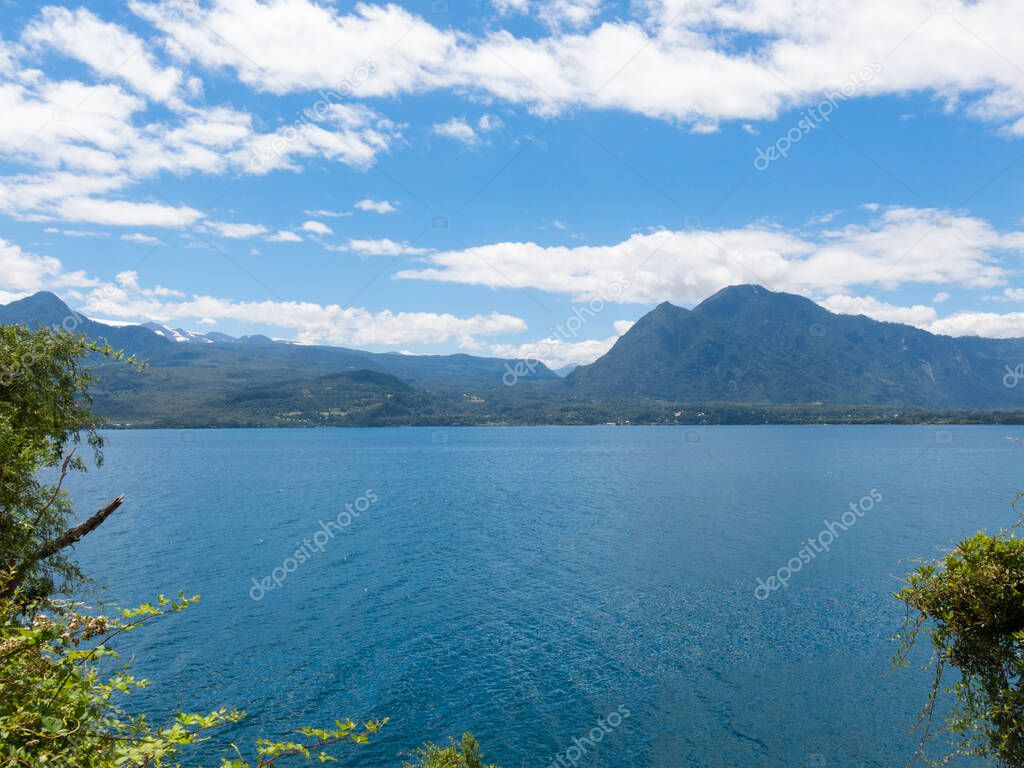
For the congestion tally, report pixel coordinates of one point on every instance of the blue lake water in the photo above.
(524, 583)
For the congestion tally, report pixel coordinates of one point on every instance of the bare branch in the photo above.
(56, 490)
(66, 539)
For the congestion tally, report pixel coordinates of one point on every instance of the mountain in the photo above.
(181, 336)
(744, 355)
(748, 344)
(181, 361)
(47, 309)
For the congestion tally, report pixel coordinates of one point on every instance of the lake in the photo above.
(531, 584)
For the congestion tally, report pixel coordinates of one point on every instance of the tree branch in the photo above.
(56, 490)
(54, 546)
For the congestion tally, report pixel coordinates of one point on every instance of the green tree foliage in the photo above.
(456, 755)
(57, 708)
(44, 415)
(971, 605)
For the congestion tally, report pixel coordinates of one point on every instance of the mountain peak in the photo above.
(736, 294)
(750, 300)
(42, 308)
(44, 299)
(667, 308)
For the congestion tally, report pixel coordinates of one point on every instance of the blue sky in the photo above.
(438, 177)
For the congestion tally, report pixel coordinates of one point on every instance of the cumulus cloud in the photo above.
(572, 14)
(236, 231)
(488, 123)
(698, 63)
(993, 325)
(457, 129)
(558, 352)
(919, 314)
(316, 228)
(126, 299)
(376, 206)
(139, 237)
(323, 213)
(22, 272)
(75, 232)
(103, 137)
(385, 247)
(989, 324)
(108, 49)
(308, 322)
(897, 247)
(125, 213)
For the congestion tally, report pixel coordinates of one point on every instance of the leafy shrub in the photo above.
(971, 605)
(456, 755)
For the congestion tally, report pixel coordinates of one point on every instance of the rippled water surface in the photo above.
(524, 583)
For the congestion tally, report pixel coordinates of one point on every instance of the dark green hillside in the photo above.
(745, 355)
(748, 344)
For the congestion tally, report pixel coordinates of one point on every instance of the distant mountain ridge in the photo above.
(748, 344)
(257, 358)
(744, 355)
(181, 336)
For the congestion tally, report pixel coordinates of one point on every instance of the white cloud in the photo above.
(919, 314)
(574, 14)
(124, 213)
(325, 214)
(385, 247)
(22, 272)
(825, 218)
(1009, 294)
(316, 227)
(488, 123)
(696, 63)
(940, 297)
(377, 206)
(236, 231)
(989, 324)
(69, 134)
(557, 352)
(897, 247)
(138, 237)
(305, 46)
(352, 134)
(110, 50)
(128, 280)
(75, 232)
(309, 322)
(284, 236)
(125, 299)
(505, 7)
(459, 130)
